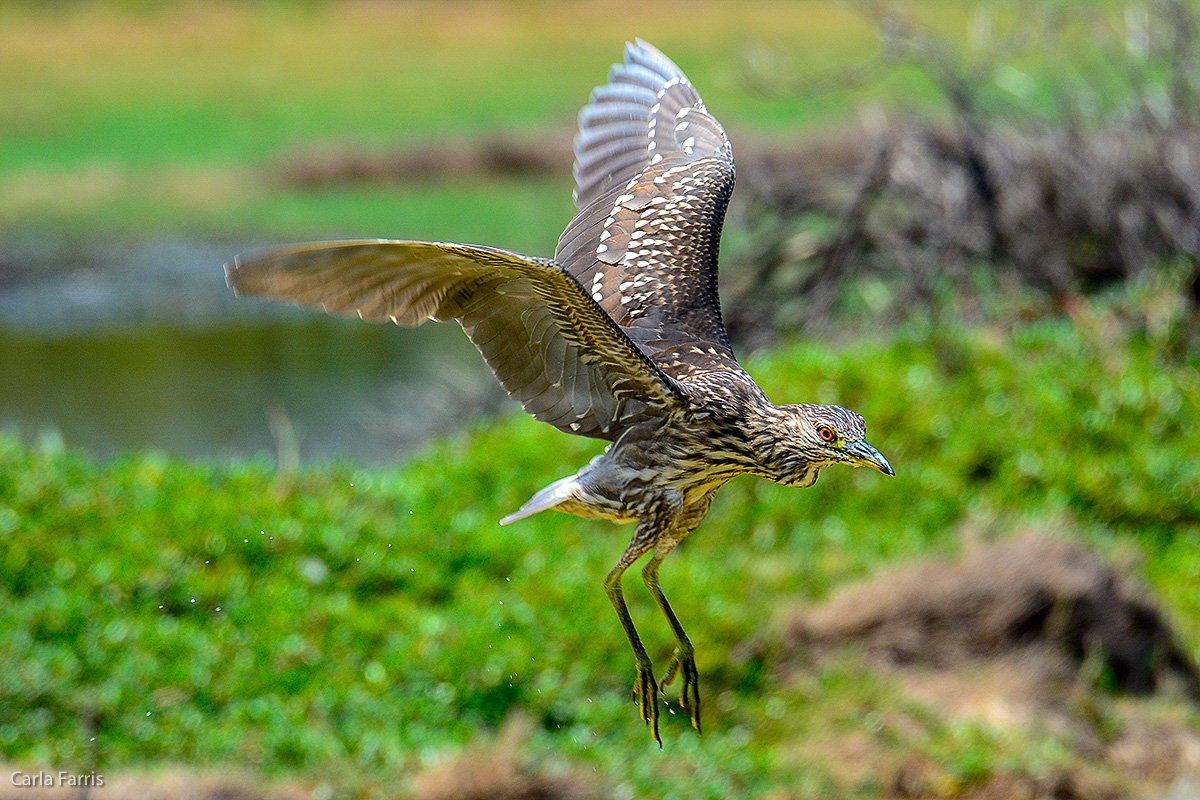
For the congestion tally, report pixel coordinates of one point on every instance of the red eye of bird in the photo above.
(827, 433)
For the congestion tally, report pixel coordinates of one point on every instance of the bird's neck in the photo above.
(778, 453)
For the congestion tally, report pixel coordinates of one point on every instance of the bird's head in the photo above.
(818, 437)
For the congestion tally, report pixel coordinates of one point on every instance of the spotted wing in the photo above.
(548, 343)
(653, 172)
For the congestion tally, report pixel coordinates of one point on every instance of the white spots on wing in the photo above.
(666, 87)
(647, 239)
(681, 113)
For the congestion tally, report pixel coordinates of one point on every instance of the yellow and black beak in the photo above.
(863, 455)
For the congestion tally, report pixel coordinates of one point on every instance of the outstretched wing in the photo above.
(548, 343)
(653, 174)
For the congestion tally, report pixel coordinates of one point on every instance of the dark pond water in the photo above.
(125, 348)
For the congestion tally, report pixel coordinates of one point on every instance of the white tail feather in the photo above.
(549, 497)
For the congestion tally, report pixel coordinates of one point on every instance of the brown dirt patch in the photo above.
(1035, 639)
(493, 156)
(496, 771)
(791, 171)
(1031, 594)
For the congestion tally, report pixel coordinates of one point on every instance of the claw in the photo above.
(646, 690)
(670, 676)
(689, 692)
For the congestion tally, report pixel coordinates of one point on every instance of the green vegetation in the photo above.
(354, 625)
(170, 120)
(349, 626)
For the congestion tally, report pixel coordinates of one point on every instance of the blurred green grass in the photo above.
(153, 610)
(143, 122)
(167, 119)
(356, 624)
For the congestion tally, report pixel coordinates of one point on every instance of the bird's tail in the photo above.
(557, 492)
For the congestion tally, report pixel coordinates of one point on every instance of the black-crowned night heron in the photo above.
(618, 337)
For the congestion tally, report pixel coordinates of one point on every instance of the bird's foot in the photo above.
(689, 692)
(646, 690)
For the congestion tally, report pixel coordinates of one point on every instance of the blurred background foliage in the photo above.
(236, 540)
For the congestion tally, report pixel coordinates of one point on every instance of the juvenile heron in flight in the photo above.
(618, 337)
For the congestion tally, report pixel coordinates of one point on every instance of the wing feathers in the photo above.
(653, 173)
(551, 347)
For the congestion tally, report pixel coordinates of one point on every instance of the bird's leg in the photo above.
(646, 688)
(685, 661)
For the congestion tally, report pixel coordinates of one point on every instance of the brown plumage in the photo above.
(618, 337)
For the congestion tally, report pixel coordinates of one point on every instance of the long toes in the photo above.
(689, 693)
(670, 676)
(646, 690)
(694, 707)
